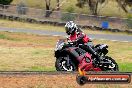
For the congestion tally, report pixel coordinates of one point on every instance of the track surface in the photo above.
(48, 80)
(122, 38)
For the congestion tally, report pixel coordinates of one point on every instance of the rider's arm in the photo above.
(68, 39)
(82, 38)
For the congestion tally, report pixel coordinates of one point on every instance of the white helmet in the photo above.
(70, 27)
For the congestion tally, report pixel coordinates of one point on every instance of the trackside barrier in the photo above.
(33, 15)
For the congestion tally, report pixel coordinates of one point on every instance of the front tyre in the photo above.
(111, 65)
(61, 65)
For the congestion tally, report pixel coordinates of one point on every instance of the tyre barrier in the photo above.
(55, 23)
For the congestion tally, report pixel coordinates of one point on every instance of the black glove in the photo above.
(73, 43)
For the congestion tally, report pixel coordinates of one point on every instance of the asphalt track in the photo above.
(112, 37)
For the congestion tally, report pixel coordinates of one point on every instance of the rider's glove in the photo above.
(73, 43)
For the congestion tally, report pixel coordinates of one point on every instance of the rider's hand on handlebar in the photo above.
(73, 43)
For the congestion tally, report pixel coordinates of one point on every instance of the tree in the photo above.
(124, 3)
(58, 4)
(92, 4)
(49, 10)
(5, 2)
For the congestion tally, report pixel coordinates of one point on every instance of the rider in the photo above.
(75, 33)
(76, 36)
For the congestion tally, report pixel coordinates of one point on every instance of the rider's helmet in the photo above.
(70, 28)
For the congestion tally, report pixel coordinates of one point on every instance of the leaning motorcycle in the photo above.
(69, 56)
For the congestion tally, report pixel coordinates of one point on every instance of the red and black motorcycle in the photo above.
(70, 56)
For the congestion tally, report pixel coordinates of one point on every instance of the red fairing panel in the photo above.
(87, 66)
(83, 64)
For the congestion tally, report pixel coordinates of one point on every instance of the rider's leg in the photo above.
(91, 50)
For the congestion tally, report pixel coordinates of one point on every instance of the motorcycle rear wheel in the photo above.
(111, 66)
(61, 65)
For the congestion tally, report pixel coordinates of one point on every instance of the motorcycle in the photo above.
(70, 56)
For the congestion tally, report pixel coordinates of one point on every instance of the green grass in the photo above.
(3, 36)
(125, 67)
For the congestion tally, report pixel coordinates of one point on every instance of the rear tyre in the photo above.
(111, 66)
(61, 65)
